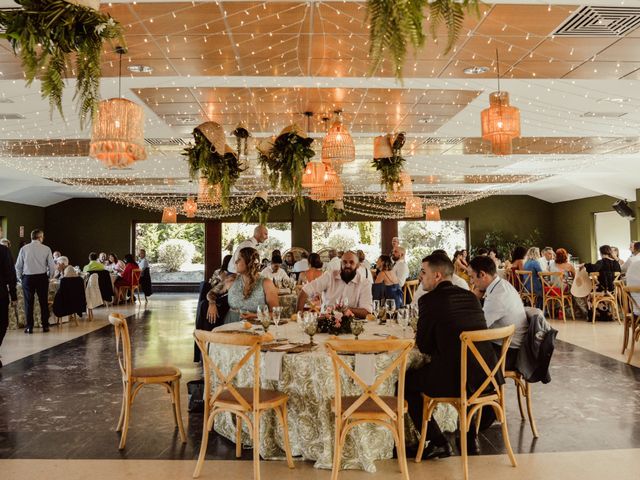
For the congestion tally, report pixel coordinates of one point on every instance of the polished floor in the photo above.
(60, 398)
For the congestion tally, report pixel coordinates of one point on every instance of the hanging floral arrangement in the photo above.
(257, 209)
(212, 159)
(242, 139)
(387, 159)
(334, 210)
(394, 25)
(49, 35)
(284, 159)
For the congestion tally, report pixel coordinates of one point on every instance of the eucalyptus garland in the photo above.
(396, 24)
(334, 214)
(285, 162)
(48, 35)
(205, 162)
(258, 209)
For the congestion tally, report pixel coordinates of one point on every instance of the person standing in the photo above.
(260, 235)
(400, 267)
(34, 267)
(7, 289)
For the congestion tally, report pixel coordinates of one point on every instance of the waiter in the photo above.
(34, 267)
(7, 288)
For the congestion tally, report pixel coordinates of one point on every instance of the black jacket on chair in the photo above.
(145, 282)
(104, 282)
(445, 313)
(70, 297)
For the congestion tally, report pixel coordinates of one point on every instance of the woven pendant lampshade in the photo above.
(190, 207)
(207, 194)
(432, 213)
(331, 188)
(500, 123)
(313, 175)
(337, 145)
(401, 190)
(169, 215)
(413, 207)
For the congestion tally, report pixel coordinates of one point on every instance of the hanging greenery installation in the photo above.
(388, 159)
(257, 209)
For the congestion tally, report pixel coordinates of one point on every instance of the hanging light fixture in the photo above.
(208, 195)
(337, 146)
(190, 207)
(331, 188)
(313, 175)
(501, 121)
(413, 207)
(169, 215)
(117, 137)
(401, 190)
(432, 213)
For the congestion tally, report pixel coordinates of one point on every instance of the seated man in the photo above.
(302, 265)
(341, 286)
(455, 279)
(502, 305)
(445, 313)
(94, 264)
(62, 263)
(275, 271)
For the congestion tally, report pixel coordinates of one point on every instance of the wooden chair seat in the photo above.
(369, 407)
(159, 374)
(268, 398)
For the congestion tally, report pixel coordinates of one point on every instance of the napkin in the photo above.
(273, 365)
(366, 368)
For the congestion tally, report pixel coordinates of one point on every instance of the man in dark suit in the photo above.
(445, 312)
(7, 289)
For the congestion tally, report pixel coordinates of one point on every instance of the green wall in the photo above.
(14, 215)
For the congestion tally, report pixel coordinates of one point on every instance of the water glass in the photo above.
(276, 313)
(390, 307)
(376, 308)
(403, 319)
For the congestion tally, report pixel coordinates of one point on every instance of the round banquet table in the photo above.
(307, 378)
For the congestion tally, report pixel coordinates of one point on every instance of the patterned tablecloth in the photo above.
(307, 378)
(17, 316)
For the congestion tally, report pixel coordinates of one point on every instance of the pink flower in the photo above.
(337, 315)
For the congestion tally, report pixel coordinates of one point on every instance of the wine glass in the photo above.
(376, 308)
(311, 327)
(403, 319)
(276, 312)
(357, 327)
(263, 317)
(413, 320)
(390, 307)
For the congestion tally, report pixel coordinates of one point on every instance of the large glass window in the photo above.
(421, 237)
(363, 236)
(175, 251)
(235, 233)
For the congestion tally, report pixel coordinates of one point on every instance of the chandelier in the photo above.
(337, 145)
(169, 215)
(401, 190)
(501, 121)
(117, 137)
(190, 207)
(413, 207)
(432, 213)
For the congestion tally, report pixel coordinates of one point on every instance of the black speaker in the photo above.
(623, 209)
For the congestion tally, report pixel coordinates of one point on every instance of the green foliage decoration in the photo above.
(333, 214)
(205, 162)
(394, 25)
(47, 35)
(505, 244)
(258, 209)
(390, 168)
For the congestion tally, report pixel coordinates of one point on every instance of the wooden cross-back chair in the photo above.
(133, 379)
(598, 297)
(554, 294)
(525, 286)
(369, 407)
(469, 405)
(631, 320)
(242, 402)
(134, 288)
(409, 290)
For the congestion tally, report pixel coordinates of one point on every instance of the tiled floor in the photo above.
(60, 399)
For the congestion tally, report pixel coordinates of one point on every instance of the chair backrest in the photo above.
(409, 290)
(469, 341)
(123, 344)
(526, 281)
(225, 381)
(75, 285)
(552, 283)
(135, 277)
(336, 347)
(629, 303)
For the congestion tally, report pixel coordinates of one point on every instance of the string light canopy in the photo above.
(432, 213)
(169, 215)
(401, 190)
(338, 147)
(413, 207)
(117, 137)
(501, 121)
(190, 207)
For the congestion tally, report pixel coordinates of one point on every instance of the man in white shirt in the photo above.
(635, 256)
(502, 305)
(275, 272)
(364, 263)
(633, 280)
(455, 279)
(143, 263)
(334, 260)
(400, 267)
(341, 286)
(260, 234)
(301, 265)
(547, 263)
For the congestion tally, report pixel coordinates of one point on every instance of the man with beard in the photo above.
(347, 285)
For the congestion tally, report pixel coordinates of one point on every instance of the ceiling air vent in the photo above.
(442, 141)
(160, 142)
(603, 114)
(601, 22)
(11, 116)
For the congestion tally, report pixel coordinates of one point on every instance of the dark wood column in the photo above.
(388, 230)
(212, 247)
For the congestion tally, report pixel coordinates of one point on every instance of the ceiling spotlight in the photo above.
(140, 68)
(476, 70)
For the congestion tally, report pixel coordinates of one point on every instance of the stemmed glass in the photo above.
(357, 327)
(390, 307)
(310, 325)
(403, 319)
(413, 317)
(276, 312)
(263, 317)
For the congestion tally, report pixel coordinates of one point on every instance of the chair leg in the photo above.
(463, 442)
(203, 445)
(532, 422)
(632, 347)
(625, 339)
(175, 389)
(90, 314)
(256, 445)
(402, 450)
(573, 313)
(594, 306)
(238, 436)
(337, 447)
(285, 434)
(519, 395)
(122, 409)
(127, 414)
(423, 430)
(505, 432)
(478, 420)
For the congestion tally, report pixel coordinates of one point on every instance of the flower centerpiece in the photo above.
(337, 321)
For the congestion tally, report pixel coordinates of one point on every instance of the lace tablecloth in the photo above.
(307, 378)
(17, 316)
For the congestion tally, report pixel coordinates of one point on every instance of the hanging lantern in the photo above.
(169, 215)
(432, 213)
(500, 123)
(207, 194)
(313, 175)
(331, 188)
(190, 207)
(413, 207)
(337, 146)
(401, 190)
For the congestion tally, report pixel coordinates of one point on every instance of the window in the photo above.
(363, 236)
(421, 237)
(175, 251)
(613, 230)
(235, 233)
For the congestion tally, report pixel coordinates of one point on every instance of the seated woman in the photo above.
(532, 264)
(607, 266)
(125, 279)
(248, 291)
(460, 264)
(114, 265)
(562, 265)
(386, 285)
(517, 263)
(314, 271)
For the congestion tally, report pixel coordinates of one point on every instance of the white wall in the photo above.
(612, 229)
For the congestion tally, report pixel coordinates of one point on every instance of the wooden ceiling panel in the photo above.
(153, 96)
(572, 49)
(252, 17)
(541, 69)
(520, 20)
(208, 66)
(482, 49)
(603, 70)
(171, 18)
(624, 50)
